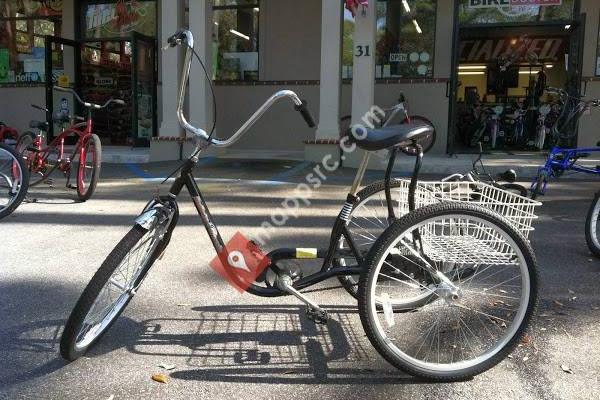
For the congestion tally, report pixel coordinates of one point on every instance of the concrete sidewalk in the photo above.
(229, 346)
(525, 164)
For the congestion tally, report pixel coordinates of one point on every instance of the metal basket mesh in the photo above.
(518, 210)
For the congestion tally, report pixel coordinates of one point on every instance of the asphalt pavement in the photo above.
(224, 345)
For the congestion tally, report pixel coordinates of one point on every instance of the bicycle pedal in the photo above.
(317, 316)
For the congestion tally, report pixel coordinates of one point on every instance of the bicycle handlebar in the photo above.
(87, 104)
(550, 89)
(44, 109)
(562, 92)
(186, 37)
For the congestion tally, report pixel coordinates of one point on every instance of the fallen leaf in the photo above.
(570, 291)
(525, 359)
(290, 372)
(160, 378)
(168, 367)
(595, 308)
(543, 329)
(510, 356)
(566, 369)
(183, 305)
(112, 396)
(525, 339)
(558, 303)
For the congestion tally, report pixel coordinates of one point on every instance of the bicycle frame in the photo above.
(554, 167)
(81, 130)
(340, 228)
(328, 255)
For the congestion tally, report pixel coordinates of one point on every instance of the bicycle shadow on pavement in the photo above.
(31, 350)
(275, 344)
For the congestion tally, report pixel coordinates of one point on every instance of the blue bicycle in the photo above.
(561, 160)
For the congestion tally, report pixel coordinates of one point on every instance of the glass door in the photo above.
(144, 89)
(105, 74)
(62, 69)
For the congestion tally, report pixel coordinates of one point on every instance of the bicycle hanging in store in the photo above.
(42, 161)
(444, 293)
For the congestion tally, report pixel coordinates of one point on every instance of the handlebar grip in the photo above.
(62, 89)
(306, 114)
(119, 102)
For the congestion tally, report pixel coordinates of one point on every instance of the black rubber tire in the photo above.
(349, 283)
(73, 326)
(92, 290)
(5, 212)
(515, 188)
(26, 136)
(404, 224)
(86, 194)
(537, 189)
(592, 242)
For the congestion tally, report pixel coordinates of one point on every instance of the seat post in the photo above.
(360, 173)
(388, 183)
(415, 178)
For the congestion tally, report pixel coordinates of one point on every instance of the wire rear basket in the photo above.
(518, 210)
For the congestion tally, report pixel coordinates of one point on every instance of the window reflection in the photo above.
(235, 40)
(405, 42)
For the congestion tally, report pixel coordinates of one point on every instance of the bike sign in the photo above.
(240, 262)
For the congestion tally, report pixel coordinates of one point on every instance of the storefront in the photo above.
(504, 58)
(112, 54)
(456, 61)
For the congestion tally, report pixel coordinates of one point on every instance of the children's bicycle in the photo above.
(561, 160)
(445, 292)
(42, 161)
(14, 180)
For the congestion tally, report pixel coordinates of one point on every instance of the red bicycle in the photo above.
(8, 135)
(42, 161)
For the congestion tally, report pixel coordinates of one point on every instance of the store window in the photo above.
(235, 40)
(475, 12)
(118, 19)
(405, 39)
(23, 25)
